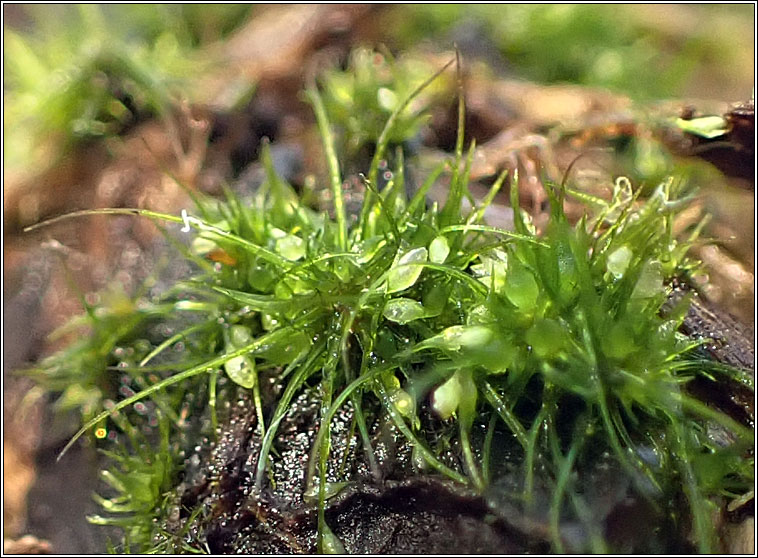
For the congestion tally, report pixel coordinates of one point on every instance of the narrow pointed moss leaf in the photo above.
(439, 250)
(186, 220)
(404, 274)
(331, 159)
(260, 303)
(381, 143)
(403, 310)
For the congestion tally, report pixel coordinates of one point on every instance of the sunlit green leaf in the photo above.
(403, 310)
(439, 249)
(446, 397)
(618, 261)
(404, 403)
(619, 341)
(386, 99)
(289, 246)
(521, 288)
(403, 273)
(650, 282)
(455, 338)
(706, 126)
(547, 338)
(241, 369)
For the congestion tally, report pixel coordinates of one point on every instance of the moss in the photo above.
(621, 49)
(91, 72)
(556, 339)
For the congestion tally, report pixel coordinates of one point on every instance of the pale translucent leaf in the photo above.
(403, 310)
(386, 99)
(618, 261)
(650, 282)
(446, 397)
(707, 126)
(521, 288)
(439, 249)
(290, 246)
(455, 338)
(404, 274)
(404, 403)
(240, 369)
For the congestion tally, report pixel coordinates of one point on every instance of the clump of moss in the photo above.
(360, 99)
(557, 339)
(598, 45)
(92, 72)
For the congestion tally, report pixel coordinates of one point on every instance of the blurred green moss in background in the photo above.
(78, 72)
(640, 50)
